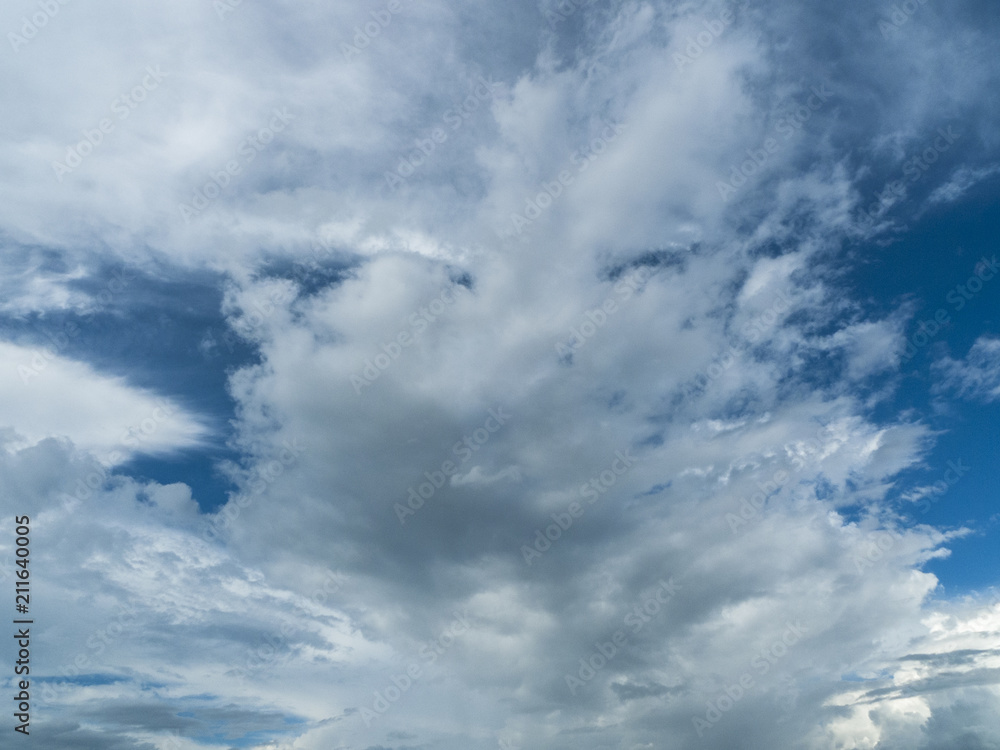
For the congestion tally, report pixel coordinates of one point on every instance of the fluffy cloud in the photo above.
(558, 443)
(49, 396)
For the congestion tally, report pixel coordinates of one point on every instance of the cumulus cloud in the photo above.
(572, 436)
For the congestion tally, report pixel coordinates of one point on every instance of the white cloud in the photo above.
(961, 181)
(977, 376)
(732, 375)
(46, 395)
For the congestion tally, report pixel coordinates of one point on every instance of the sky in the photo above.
(565, 374)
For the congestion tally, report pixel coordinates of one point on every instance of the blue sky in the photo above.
(368, 372)
(938, 254)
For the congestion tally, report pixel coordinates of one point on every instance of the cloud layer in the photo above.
(565, 427)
